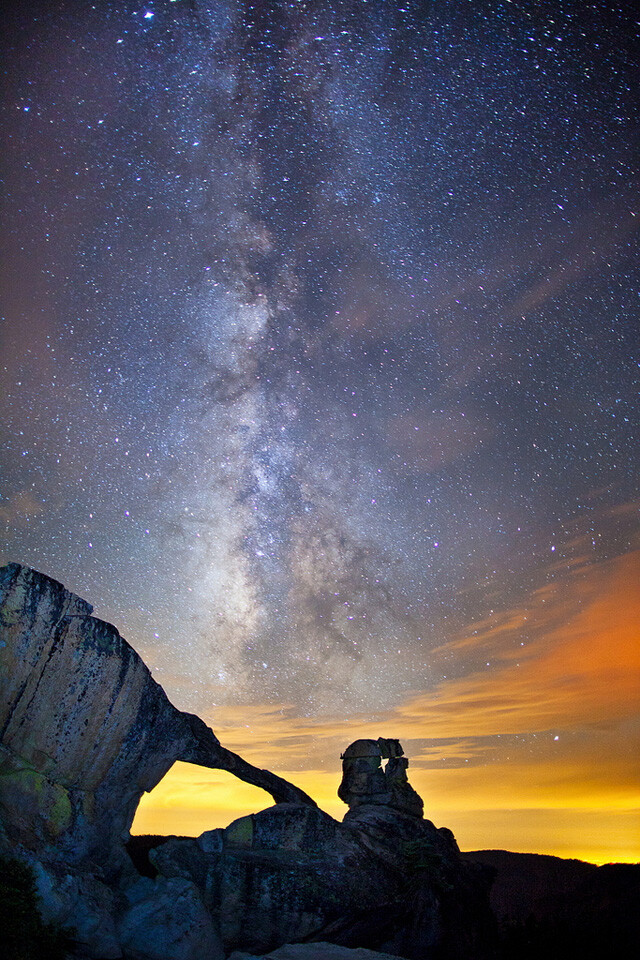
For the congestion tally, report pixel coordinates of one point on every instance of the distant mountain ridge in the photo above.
(551, 907)
(524, 881)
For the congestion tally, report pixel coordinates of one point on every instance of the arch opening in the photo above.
(191, 799)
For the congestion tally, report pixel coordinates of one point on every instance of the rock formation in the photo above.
(381, 879)
(364, 781)
(315, 951)
(85, 730)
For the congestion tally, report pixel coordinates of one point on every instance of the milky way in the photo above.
(320, 328)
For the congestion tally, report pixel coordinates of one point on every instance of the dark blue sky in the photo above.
(320, 326)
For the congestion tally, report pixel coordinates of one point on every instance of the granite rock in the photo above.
(366, 781)
(382, 880)
(315, 951)
(166, 919)
(84, 732)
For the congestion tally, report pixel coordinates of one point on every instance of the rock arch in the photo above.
(84, 728)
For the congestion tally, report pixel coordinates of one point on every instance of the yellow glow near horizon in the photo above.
(191, 800)
(539, 755)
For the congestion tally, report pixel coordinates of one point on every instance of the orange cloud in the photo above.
(582, 665)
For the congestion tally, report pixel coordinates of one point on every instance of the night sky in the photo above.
(319, 378)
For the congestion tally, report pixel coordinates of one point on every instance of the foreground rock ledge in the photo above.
(85, 730)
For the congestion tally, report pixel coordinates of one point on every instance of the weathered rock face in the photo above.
(167, 920)
(85, 730)
(315, 951)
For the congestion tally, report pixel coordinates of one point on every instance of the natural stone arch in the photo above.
(190, 800)
(85, 729)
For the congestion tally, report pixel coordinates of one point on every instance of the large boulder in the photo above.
(315, 951)
(382, 879)
(167, 920)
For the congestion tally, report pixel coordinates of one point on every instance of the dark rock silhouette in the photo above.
(85, 730)
(381, 879)
(364, 781)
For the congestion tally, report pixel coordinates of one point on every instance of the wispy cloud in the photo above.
(579, 666)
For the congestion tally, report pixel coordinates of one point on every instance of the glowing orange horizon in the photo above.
(540, 754)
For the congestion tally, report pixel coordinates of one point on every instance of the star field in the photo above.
(320, 330)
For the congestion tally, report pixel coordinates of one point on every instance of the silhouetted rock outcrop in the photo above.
(364, 781)
(86, 730)
(381, 879)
